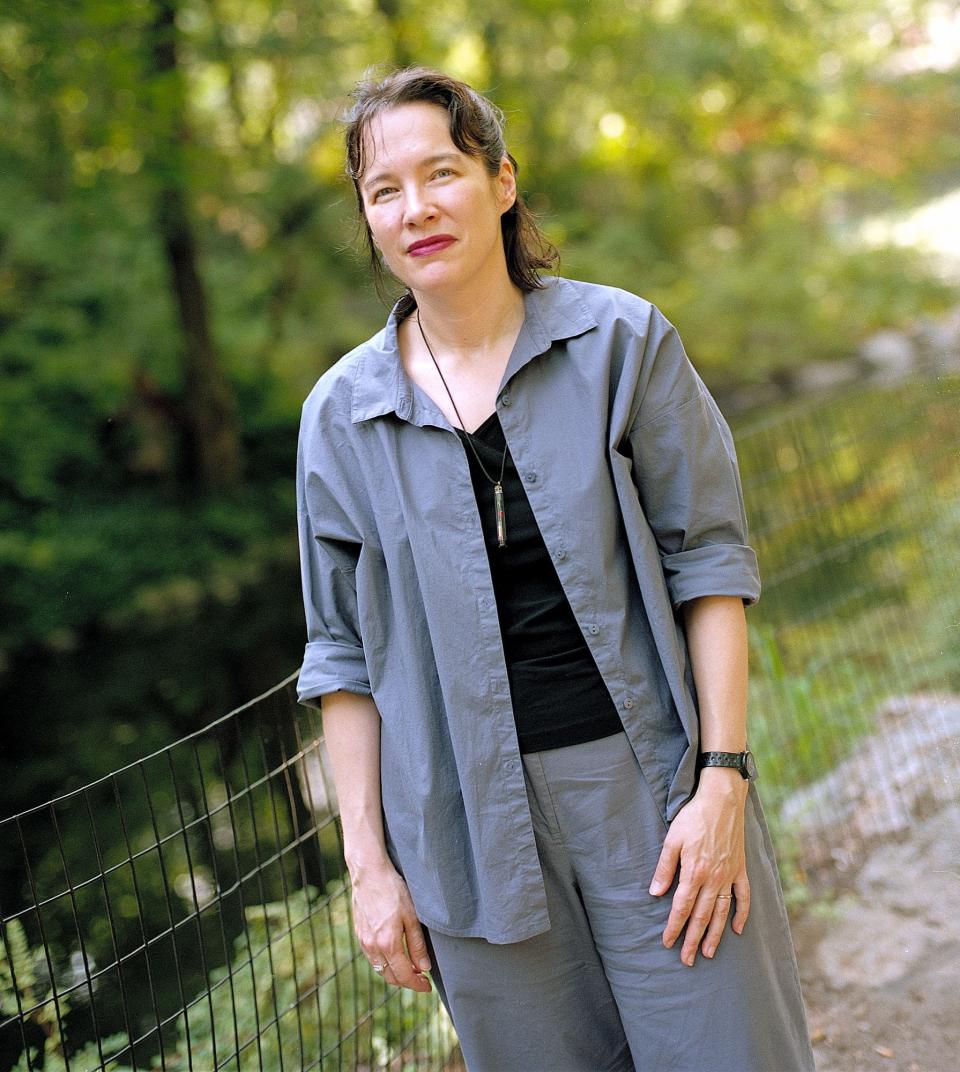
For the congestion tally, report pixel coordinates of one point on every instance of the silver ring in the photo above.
(724, 896)
(379, 968)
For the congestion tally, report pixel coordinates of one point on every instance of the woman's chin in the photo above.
(437, 279)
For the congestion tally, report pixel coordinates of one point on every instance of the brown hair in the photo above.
(476, 128)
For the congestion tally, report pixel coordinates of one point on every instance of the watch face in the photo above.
(749, 765)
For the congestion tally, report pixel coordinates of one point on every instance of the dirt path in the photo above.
(880, 956)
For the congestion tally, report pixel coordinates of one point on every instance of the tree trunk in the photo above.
(209, 408)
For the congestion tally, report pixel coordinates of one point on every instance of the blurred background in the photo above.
(179, 263)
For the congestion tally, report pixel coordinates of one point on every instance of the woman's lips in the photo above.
(432, 245)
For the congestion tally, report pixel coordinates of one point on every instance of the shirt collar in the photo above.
(553, 312)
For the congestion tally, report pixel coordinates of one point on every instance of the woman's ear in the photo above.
(506, 185)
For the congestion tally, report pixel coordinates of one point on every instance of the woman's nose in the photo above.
(417, 207)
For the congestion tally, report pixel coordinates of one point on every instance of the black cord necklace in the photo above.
(498, 508)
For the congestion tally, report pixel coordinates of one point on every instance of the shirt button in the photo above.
(511, 765)
(561, 555)
(531, 478)
(594, 629)
(628, 702)
(505, 398)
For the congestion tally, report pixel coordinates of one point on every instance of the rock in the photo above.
(891, 354)
(902, 908)
(894, 945)
(913, 758)
(815, 376)
(939, 340)
(881, 966)
(888, 875)
(750, 397)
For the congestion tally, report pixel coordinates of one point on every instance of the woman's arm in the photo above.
(383, 912)
(716, 628)
(706, 837)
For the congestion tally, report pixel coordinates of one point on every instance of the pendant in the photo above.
(500, 514)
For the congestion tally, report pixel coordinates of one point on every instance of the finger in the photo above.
(741, 890)
(377, 961)
(697, 924)
(379, 958)
(416, 945)
(402, 968)
(382, 960)
(718, 921)
(666, 868)
(420, 983)
(684, 900)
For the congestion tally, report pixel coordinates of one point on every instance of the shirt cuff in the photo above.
(328, 667)
(717, 569)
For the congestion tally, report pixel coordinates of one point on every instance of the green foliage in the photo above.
(21, 992)
(297, 991)
(853, 507)
(712, 157)
(786, 295)
(703, 156)
(17, 977)
(804, 726)
(86, 1059)
(297, 988)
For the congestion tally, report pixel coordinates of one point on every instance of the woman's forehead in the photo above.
(406, 130)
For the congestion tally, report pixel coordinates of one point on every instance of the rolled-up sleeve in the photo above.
(329, 551)
(686, 471)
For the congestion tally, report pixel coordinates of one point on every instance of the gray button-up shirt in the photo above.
(632, 476)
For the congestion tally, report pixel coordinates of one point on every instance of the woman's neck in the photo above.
(470, 324)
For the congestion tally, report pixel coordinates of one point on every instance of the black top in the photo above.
(559, 697)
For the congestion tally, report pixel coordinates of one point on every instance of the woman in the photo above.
(525, 564)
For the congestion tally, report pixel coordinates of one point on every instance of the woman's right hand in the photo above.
(383, 914)
(387, 927)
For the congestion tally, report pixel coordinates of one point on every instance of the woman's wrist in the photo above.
(723, 781)
(364, 848)
(367, 860)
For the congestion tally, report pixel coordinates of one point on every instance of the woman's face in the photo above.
(419, 186)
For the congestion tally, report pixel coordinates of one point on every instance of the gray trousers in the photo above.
(598, 991)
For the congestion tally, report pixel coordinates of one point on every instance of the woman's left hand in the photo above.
(706, 840)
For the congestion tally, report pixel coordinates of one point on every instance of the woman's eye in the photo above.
(378, 195)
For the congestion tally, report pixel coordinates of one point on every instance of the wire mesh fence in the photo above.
(854, 503)
(191, 910)
(195, 915)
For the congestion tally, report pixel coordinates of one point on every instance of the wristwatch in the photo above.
(741, 761)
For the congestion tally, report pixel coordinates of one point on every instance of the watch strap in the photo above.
(740, 761)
